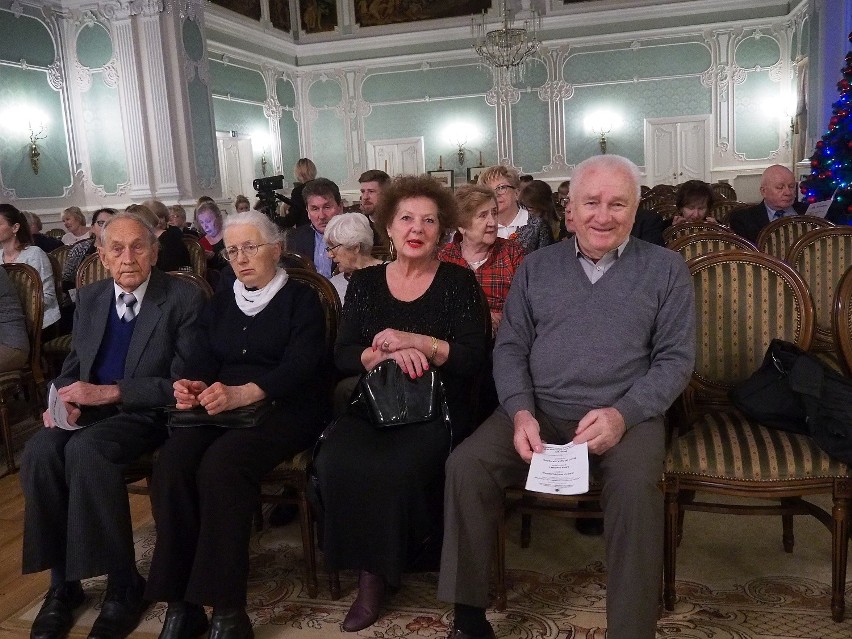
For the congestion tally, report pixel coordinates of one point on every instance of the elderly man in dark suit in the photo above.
(778, 188)
(322, 197)
(132, 334)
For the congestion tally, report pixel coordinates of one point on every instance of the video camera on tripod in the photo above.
(266, 188)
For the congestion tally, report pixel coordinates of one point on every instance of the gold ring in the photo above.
(385, 345)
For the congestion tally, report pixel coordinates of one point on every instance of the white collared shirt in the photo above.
(788, 212)
(520, 221)
(138, 293)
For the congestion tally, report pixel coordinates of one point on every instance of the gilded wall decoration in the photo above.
(371, 13)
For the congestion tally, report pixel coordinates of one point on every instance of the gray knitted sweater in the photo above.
(567, 346)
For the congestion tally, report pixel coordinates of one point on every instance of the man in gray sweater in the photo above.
(597, 341)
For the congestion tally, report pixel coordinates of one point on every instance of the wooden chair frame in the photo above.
(842, 321)
(677, 231)
(681, 488)
(196, 255)
(732, 241)
(28, 285)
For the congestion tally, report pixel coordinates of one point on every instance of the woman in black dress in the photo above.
(262, 339)
(382, 490)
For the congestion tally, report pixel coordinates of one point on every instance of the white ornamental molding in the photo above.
(739, 74)
(502, 93)
(82, 77)
(17, 8)
(77, 185)
(555, 91)
(208, 184)
(776, 71)
(111, 73)
(120, 190)
(557, 166)
(54, 76)
(272, 109)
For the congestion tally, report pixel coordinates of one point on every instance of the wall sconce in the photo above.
(35, 154)
(459, 134)
(601, 123)
(262, 140)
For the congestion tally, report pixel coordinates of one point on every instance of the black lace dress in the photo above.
(382, 490)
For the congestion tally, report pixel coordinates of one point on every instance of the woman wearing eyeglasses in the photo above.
(262, 339)
(513, 220)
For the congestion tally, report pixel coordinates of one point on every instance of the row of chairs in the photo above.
(744, 299)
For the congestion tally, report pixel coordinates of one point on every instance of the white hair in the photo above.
(267, 228)
(352, 230)
(606, 163)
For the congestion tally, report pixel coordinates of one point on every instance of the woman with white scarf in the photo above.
(263, 340)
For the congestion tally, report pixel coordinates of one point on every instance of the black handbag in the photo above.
(247, 416)
(392, 398)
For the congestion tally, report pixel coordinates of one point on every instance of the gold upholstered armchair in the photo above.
(677, 231)
(779, 235)
(821, 257)
(743, 301)
(705, 242)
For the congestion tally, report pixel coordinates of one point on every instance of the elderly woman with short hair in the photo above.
(81, 250)
(264, 339)
(381, 490)
(349, 241)
(75, 223)
(513, 220)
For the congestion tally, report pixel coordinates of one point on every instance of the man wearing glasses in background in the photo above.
(322, 198)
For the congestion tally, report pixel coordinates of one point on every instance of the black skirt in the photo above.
(381, 492)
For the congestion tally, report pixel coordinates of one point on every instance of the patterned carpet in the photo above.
(734, 582)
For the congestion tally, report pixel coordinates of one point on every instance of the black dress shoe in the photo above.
(458, 634)
(56, 615)
(121, 611)
(230, 624)
(184, 621)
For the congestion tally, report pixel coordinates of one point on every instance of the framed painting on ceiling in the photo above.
(279, 15)
(318, 16)
(372, 13)
(247, 8)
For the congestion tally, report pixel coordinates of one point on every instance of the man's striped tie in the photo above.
(129, 300)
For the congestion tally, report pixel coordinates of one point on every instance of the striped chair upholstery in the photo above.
(196, 255)
(27, 283)
(822, 257)
(743, 301)
(842, 323)
(722, 209)
(779, 235)
(91, 270)
(705, 242)
(724, 191)
(677, 231)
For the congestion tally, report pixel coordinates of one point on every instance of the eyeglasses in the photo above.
(101, 222)
(249, 250)
(564, 200)
(330, 249)
(502, 188)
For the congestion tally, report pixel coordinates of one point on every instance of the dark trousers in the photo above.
(204, 492)
(486, 463)
(76, 515)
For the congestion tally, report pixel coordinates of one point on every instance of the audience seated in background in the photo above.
(778, 189)
(209, 218)
(78, 252)
(381, 489)
(323, 201)
(562, 204)
(45, 242)
(132, 334)
(75, 223)
(14, 344)
(177, 218)
(574, 362)
(372, 184)
(349, 241)
(476, 246)
(15, 248)
(537, 198)
(242, 204)
(205, 486)
(694, 200)
(304, 171)
(649, 226)
(514, 221)
(173, 254)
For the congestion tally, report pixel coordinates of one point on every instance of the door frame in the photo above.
(372, 144)
(683, 119)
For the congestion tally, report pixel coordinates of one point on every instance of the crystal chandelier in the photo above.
(507, 48)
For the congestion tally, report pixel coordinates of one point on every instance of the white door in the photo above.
(402, 156)
(237, 162)
(676, 149)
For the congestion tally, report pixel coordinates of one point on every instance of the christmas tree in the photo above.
(831, 163)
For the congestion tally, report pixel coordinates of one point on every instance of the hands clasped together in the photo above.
(406, 349)
(215, 398)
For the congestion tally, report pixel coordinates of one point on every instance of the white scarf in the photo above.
(253, 302)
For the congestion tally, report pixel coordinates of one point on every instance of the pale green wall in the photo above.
(198, 95)
(27, 39)
(290, 152)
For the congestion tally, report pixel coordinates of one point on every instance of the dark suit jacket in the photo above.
(750, 221)
(301, 240)
(164, 336)
(649, 226)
